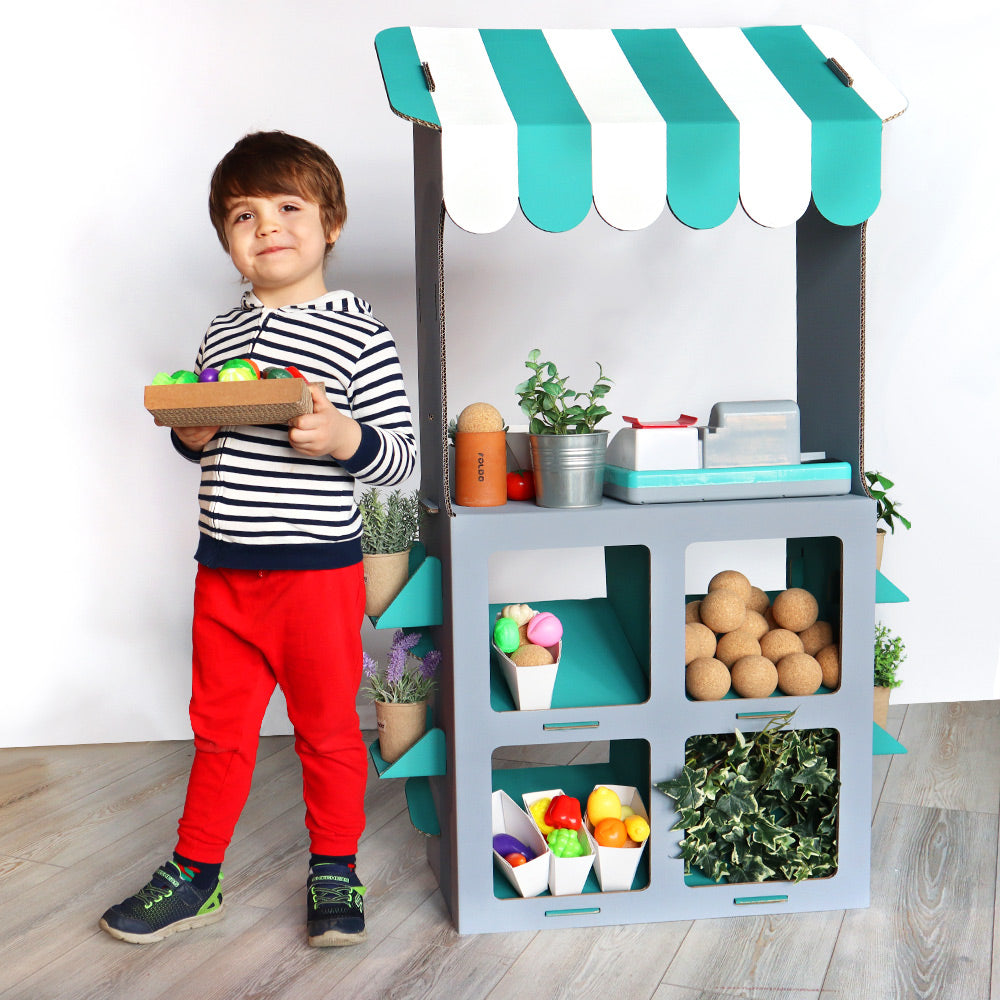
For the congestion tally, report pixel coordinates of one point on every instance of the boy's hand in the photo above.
(194, 438)
(325, 431)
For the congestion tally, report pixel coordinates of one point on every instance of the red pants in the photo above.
(300, 629)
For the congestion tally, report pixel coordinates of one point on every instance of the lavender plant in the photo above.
(405, 678)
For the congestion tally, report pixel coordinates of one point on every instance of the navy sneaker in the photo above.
(167, 903)
(335, 911)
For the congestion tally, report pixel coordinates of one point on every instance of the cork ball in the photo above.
(754, 677)
(731, 579)
(828, 659)
(769, 617)
(758, 601)
(735, 645)
(522, 633)
(814, 638)
(530, 655)
(778, 643)
(756, 623)
(723, 610)
(691, 613)
(706, 679)
(480, 418)
(795, 609)
(799, 674)
(699, 642)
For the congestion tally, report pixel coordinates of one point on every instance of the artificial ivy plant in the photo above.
(759, 807)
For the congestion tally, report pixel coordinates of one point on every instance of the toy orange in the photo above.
(610, 832)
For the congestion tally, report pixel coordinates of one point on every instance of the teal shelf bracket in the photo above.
(884, 744)
(886, 592)
(419, 602)
(426, 757)
(420, 803)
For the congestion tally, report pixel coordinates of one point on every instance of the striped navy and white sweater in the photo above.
(265, 505)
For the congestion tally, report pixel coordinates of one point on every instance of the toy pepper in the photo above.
(565, 843)
(564, 813)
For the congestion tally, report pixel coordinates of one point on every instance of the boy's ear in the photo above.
(333, 235)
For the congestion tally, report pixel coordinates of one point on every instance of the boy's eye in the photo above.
(244, 216)
(289, 208)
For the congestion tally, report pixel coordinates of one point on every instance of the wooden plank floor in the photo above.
(81, 827)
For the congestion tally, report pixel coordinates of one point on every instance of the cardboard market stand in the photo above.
(785, 122)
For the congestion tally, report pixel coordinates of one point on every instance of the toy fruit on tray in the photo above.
(227, 395)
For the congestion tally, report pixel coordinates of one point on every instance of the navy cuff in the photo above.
(367, 453)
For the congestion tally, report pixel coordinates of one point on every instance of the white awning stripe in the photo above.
(478, 131)
(629, 136)
(775, 134)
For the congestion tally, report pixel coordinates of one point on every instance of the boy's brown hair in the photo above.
(268, 163)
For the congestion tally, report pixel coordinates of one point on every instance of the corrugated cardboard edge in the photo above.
(226, 404)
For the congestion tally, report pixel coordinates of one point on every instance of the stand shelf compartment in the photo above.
(630, 693)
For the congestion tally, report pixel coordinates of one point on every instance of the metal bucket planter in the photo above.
(569, 468)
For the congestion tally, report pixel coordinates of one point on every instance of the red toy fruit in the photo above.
(520, 485)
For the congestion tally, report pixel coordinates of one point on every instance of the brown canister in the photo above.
(480, 468)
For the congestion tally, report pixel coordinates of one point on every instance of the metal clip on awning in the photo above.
(633, 120)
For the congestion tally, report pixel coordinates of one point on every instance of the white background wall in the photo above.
(115, 114)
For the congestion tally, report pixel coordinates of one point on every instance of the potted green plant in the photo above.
(890, 651)
(886, 510)
(390, 524)
(400, 690)
(567, 450)
(759, 807)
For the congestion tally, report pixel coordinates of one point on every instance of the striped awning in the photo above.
(634, 120)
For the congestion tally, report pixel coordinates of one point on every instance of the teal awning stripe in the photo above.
(703, 135)
(404, 80)
(553, 133)
(846, 132)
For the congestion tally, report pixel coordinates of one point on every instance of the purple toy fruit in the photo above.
(504, 844)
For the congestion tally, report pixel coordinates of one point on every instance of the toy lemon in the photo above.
(601, 804)
(636, 828)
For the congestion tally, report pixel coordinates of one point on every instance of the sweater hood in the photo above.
(340, 301)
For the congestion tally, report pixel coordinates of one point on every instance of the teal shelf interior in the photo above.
(420, 803)
(886, 592)
(598, 665)
(628, 765)
(419, 603)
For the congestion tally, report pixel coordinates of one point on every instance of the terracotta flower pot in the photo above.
(400, 726)
(385, 576)
(480, 468)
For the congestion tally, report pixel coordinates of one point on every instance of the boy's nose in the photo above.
(267, 222)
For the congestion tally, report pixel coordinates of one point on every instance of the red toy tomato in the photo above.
(520, 485)
(515, 859)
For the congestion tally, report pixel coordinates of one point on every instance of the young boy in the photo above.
(279, 592)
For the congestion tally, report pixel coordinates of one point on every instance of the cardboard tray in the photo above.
(616, 866)
(531, 687)
(531, 878)
(227, 404)
(567, 876)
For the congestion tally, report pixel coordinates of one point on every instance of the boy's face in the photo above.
(278, 243)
